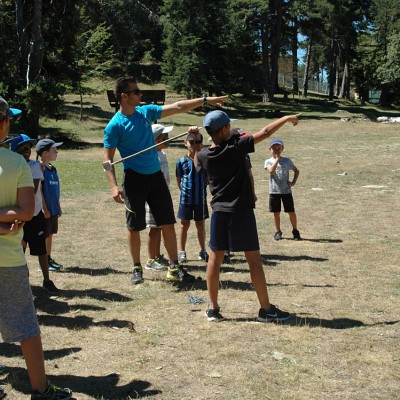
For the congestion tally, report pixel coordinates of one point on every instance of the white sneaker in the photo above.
(182, 256)
(155, 265)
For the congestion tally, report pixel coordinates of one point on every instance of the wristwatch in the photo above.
(205, 98)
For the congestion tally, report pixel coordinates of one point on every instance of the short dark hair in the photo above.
(122, 85)
(211, 132)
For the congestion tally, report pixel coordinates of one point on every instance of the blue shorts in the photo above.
(188, 212)
(235, 231)
(275, 200)
(153, 189)
(18, 319)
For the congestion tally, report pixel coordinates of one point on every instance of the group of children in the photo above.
(39, 231)
(224, 166)
(192, 185)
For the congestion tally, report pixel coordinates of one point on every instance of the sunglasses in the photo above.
(135, 91)
(192, 142)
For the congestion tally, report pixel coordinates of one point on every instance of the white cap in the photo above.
(159, 129)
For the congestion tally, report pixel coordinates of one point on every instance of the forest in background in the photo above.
(51, 47)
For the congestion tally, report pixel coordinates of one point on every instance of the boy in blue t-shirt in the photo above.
(193, 199)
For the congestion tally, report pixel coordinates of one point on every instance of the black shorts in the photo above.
(188, 212)
(276, 199)
(139, 189)
(35, 235)
(235, 231)
(51, 225)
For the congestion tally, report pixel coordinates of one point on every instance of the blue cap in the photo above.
(21, 139)
(215, 120)
(6, 111)
(275, 141)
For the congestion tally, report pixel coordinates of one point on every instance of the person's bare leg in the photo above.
(293, 219)
(49, 244)
(258, 277)
(213, 270)
(277, 221)
(157, 241)
(201, 234)
(44, 266)
(152, 243)
(33, 353)
(185, 224)
(169, 236)
(134, 245)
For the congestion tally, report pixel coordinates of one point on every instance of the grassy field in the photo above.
(341, 282)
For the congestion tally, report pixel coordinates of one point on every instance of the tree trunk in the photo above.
(265, 63)
(332, 73)
(307, 66)
(345, 87)
(295, 71)
(276, 46)
(22, 41)
(385, 97)
(36, 47)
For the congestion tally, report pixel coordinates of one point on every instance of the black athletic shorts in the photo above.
(276, 199)
(35, 235)
(139, 189)
(188, 212)
(236, 231)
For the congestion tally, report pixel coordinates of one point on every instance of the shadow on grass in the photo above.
(93, 271)
(11, 350)
(322, 240)
(95, 386)
(266, 258)
(93, 293)
(55, 307)
(81, 322)
(312, 322)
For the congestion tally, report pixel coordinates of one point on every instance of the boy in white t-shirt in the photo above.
(156, 260)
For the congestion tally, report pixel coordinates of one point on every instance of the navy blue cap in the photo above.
(275, 141)
(216, 119)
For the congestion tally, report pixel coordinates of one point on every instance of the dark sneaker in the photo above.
(162, 260)
(51, 288)
(213, 315)
(2, 394)
(296, 234)
(137, 276)
(53, 393)
(203, 255)
(177, 274)
(274, 314)
(155, 265)
(54, 266)
(278, 235)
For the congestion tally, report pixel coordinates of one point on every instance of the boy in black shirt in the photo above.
(233, 225)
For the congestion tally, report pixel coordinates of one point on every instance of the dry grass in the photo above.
(341, 283)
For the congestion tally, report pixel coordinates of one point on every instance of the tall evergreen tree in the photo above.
(197, 44)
